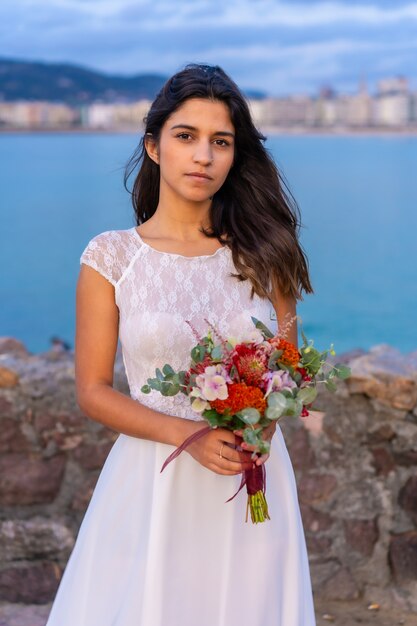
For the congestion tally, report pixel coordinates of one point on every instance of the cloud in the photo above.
(279, 46)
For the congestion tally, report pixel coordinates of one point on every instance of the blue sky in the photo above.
(280, 47)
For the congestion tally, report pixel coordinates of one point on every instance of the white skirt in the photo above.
(164, 549)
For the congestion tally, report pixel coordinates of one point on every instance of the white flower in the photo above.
(199, 405)
(253, 336)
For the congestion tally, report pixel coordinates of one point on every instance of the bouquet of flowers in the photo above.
(247, 384)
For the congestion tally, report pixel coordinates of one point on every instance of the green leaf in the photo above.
(155, 383)
(264, 446)
(294, 407)
(330, 385)
(252, 436)
(305, 340)
(167, 370)
(214, 421)
(217, 352)
(261, 326)
(342, 371)
(297, 377)
(273, 412)
(181, 377)
(311, 359)
(307, 394)
(264, 421)
(249, 415)
(159, 374)
(169, 389)
(146, 389)
(277, 400)
(198, 353)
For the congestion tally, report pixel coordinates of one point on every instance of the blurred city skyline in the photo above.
(278, 47)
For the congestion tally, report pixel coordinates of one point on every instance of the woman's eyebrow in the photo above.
(188, 127)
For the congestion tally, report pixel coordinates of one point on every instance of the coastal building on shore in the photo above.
(392, 107)
(31, 115)
(108, 116)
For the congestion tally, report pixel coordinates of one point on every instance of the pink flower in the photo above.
(278, 380)
(212, 383)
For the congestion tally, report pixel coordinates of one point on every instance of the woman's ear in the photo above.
(151, 148)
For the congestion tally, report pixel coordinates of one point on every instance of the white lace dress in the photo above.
(164, 549)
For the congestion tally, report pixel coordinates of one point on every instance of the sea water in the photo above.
(358, 201)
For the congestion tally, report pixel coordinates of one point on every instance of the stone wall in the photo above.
(354, 459)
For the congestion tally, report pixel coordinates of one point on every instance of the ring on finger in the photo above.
(221, 448)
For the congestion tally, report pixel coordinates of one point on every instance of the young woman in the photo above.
(216, 238)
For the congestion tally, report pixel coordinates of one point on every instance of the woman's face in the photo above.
(198, 138)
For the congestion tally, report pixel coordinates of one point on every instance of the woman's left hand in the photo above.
(267, 435)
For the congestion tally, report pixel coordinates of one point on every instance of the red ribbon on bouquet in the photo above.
(254, 479)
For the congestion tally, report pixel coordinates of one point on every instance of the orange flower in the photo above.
(240, 396)
(290, 355)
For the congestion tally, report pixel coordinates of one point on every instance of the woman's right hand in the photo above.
(206, 451)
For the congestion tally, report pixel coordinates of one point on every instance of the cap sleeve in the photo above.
(101, 254)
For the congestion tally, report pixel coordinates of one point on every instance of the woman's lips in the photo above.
(200, 177)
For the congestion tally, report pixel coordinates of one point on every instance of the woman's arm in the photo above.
(285, 308)
(97, 328)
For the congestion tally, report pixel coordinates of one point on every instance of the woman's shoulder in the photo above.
(110, 252)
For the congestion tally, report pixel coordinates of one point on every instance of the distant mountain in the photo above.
(74, 85)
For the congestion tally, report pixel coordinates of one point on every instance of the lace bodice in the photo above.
(156, 292)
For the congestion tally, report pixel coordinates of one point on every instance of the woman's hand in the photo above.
(206, 451)
(267, 435)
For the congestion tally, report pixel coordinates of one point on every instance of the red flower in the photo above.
(303, 373)
(251, 363)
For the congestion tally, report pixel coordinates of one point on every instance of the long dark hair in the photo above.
(254, 206)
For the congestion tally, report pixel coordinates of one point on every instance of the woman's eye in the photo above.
(183, 135)
(223, 142)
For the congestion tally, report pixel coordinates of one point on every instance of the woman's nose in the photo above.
(203, 153)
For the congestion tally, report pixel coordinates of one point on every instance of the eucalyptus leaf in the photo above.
(146, 389)
(277, 400)
(159, 374)
(181, 377)
(251, 436)
(273, 412)
(167, 370)
(169, 389)
(198, 353)
(155, 383)
(307, 394)
(298, 407)
(264, 446)
(342, 371)
(293, 407)
(249, 415)
(297, 377)
(217, 352)
(330, 385)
